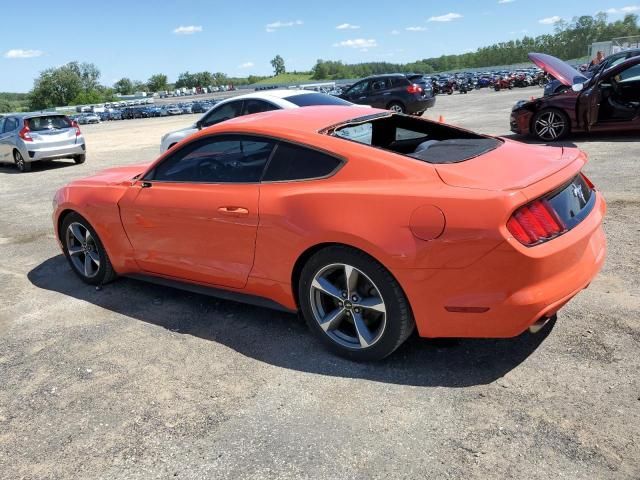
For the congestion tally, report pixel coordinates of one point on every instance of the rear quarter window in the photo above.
(294, 162)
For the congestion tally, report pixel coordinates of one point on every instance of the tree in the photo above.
(55, 87)
(278, 65)
(124, 86)
(186, 79)
(157, 82)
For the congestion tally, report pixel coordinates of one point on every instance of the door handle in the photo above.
(234, 211)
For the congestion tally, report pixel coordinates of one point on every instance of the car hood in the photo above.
(511, 166)
(562, 71)
(114, 176)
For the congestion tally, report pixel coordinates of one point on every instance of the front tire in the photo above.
(550, 125)
(353, 304)
(20, 162)
(84, 251)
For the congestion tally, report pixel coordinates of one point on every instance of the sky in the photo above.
(138, 38)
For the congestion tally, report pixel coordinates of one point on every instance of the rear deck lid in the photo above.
(511, 166)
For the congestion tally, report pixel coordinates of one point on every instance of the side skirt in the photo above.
(212, 292)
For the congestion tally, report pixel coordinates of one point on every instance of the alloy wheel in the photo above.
(20, 163)
(83, 251)
(396, 108)
(348, 306)
(550, 125)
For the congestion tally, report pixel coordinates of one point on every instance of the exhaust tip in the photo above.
(539, 325)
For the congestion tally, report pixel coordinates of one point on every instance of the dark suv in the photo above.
(394, 92)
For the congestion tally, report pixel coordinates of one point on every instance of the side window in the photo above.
(257, 106)
(631, 74)
(221, 159)
(400, 82)
(358, 88)
(377, 85)
(226, 111)
(293, 162)
(1, 124)
(10, 124)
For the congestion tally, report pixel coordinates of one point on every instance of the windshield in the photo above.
(310, 99)
(51, 122)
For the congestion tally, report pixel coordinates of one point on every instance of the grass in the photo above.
(286, 78)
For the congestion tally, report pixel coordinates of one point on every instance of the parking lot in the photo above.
(139, 381)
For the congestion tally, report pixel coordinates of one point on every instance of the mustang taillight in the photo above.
(535, 223)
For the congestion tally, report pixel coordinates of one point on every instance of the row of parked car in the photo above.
(128, 113)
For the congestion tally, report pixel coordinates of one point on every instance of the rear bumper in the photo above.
(50, 153)
(510, 288)
(420, 105)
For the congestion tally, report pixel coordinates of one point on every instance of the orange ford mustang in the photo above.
(370, 224)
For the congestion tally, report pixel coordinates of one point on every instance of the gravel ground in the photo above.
(140, 381)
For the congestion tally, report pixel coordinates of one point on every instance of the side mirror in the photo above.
(577, 87)
(199, 124)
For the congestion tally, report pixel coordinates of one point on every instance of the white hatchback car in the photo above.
(255, 102)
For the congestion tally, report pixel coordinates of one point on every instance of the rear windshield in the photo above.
(310, 99)
(423, 140)
(50, 122)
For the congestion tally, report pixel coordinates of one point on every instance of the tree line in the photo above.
(78, 83)
(569, 41)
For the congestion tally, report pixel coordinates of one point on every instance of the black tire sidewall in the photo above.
(399, 321)
(104, 259)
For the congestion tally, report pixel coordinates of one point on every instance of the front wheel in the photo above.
(353, 304)
(84, 251)
(550, 125)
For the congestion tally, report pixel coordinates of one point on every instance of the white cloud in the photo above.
(550, 20)
(505, 1)
(627, 9)
(445, 18)
(415, 29)
(246, 65)
(347, 26)
(20, 53)
(272, 27)
(360, 43)
(395, 32)
(187, 30)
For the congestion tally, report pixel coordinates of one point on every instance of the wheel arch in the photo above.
(304, 257)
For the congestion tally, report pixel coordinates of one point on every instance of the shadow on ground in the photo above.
(36, 167)
(283, 340)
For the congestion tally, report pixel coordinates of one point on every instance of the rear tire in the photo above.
(84, 251)
(396, 107)
(20, 162)
(80, 158)
(353, 304)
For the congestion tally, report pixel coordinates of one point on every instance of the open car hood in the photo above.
(562, 71)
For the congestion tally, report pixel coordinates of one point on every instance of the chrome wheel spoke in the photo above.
(372, 303)
(351, 275)
(326, 287)
(74, 250)
(332, 320)
(365, 336)
(95, 258)
(88, 266)
(77, 232)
